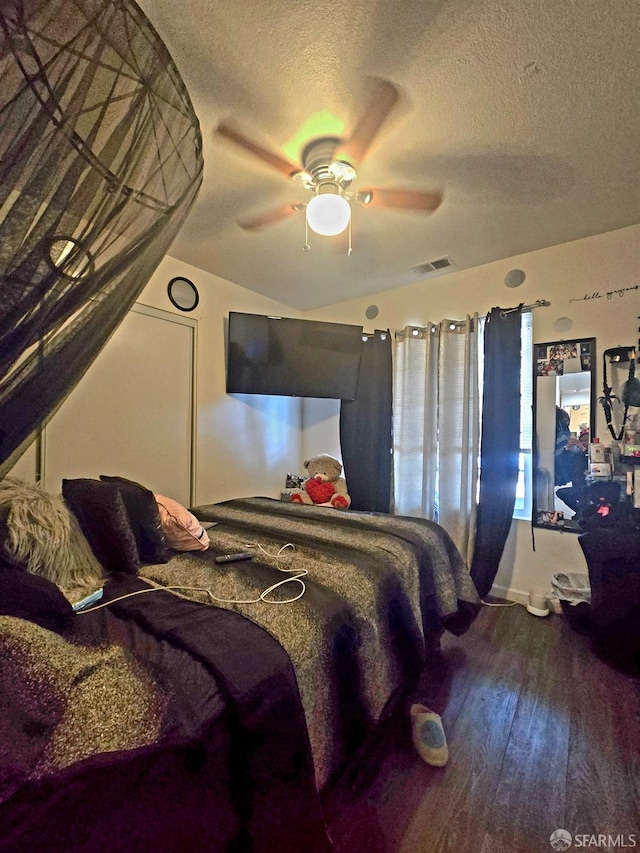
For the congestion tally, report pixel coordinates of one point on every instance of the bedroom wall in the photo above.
(564, 275)
(245, 444)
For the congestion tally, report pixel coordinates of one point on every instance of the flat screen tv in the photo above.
(292, 358)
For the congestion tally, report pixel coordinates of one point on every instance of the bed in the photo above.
(377, 586)
(267, 702)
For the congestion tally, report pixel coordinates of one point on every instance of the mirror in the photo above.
(563, 423)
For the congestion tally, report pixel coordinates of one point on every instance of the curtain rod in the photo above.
(539, 303)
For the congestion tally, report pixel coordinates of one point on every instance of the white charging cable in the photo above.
(292, 575)
(264, 550)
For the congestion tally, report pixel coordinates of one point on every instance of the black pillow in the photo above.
(144, 518)
(103, 517)
(33, 598)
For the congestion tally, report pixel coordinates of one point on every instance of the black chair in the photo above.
(613, 561)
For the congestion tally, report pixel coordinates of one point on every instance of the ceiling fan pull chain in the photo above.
(350, 246)
(306, 247)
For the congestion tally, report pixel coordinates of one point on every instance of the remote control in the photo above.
(231, 558)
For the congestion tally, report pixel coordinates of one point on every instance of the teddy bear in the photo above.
(324, 486)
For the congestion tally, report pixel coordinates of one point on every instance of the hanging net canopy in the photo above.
(100, 161)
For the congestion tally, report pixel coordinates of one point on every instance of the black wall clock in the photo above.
(183, 293)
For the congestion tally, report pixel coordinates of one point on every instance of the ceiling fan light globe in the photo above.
(328, 214)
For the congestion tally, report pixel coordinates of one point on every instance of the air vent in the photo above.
(434, 266)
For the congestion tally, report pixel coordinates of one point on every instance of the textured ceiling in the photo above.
(523, 113)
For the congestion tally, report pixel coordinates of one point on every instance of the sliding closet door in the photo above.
(132, 412)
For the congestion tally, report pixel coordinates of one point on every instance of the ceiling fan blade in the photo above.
(277, 162)
(381, 101)
(400, 199)
(270, 217)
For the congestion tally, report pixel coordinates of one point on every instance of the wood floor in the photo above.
(542, 735)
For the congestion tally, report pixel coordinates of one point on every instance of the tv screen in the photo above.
(292, 358)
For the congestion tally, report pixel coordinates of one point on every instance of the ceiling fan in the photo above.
(329, 171)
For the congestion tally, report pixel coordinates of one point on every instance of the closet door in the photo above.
(131, 414)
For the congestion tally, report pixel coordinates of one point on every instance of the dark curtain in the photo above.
(100, 161)
(365, 429)
(500, 443)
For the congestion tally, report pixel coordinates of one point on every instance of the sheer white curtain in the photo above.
(436, 425)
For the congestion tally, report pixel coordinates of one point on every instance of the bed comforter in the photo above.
(377, 587)
(148, 727)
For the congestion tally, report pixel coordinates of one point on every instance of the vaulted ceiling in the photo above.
(523, 114)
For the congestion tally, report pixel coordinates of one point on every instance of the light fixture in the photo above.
(328, 212)
(342, 171)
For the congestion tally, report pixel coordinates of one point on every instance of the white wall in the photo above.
(320, 433)
(561, 274)
(245, 444)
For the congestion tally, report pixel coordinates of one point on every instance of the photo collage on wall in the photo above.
(551, 359)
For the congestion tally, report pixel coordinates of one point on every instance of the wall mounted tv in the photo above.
(292, 358)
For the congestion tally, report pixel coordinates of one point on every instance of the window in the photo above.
(522, 507)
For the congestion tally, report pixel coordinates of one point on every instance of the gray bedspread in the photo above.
(377, 585)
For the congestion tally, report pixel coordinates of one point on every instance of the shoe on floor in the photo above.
(428, 736)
